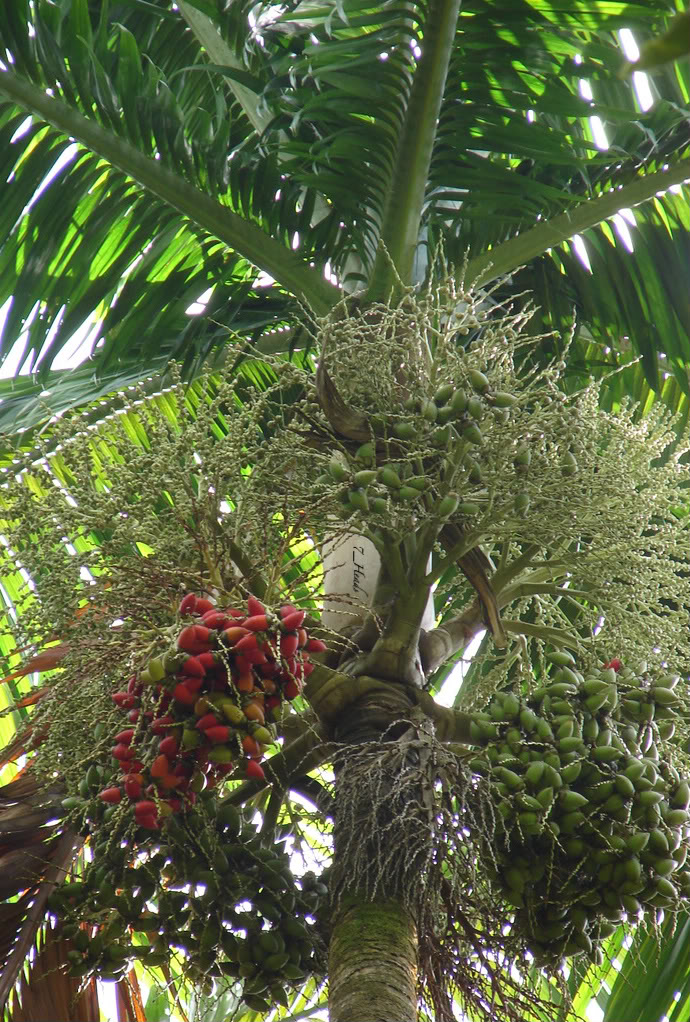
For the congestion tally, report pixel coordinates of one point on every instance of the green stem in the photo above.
(244, 237)
(556, 636)
(403, 213)
(537, 240)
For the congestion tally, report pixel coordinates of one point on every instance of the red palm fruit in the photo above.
(133, 685)
(121, 751)
(251, 746)
(218, 733)
(160, 766)
(110, 795)
(193, 667)
(208, 720)
(293, 620)
(175, 804)
(256, 623)
(202, 706)
(254, 711)
(272, 701)
(255, 606)
(184, 695)
(307, 668)
(149, 823)
(254, 772)
(288, 644)
(207, 661)
(302, 637)
(162, 725)
(247, 642)
(232, 634)
(133, 784)
(169, 781)
(124, 700)
(269, 670)
(316, 646)
(124, 737)
(202, 605)
(216, 620)
(131, 766)
(616, 664)
(193, 684)
(245, 682)
(236, 615)
(289, 667)
(269, 686)
(222, 769)
(201, 756)
(133, 716)
(194, 639)
(188, 605)
(145, 808)
(291, 689)
(169, 747)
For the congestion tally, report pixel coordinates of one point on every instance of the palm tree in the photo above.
(264, 162)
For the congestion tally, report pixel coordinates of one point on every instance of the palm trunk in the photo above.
(381, 833)
(373, 963)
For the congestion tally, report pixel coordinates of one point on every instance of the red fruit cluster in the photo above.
(212, 694)
(616, 664)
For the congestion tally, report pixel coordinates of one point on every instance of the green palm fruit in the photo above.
(528, 721)
(475, 473)
(535, 772)
(522, 459)
(444, 393)
(566, 729)
(521, 503)
(405, 430)
(590, 729)
(545, 797)
(478, 381)
(364, 477)
(410, 404)
(468, 507)
(568, 464)
(367, 452)
(569, 822)
(663, 696)
(561, 658)
(625, 785)
(337, 470)
(472, 432)
(680, 799)
(570, 800)
(458, 402)
(408, 493)
(664, 867)
(429, 410)
(419, 482)
(571, 772)
(509, 777)
(390, 478)
(475, 408)
(676, 817)
(571, 744)
(447, 505)
(605, 753)
(501, 399)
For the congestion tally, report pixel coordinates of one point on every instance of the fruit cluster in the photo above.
(206, 886)
(210, 695)
(449, 417)
(592, 821)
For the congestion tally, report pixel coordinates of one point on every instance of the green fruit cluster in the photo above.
(371, 482)
(591, 814)
(208, 888)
